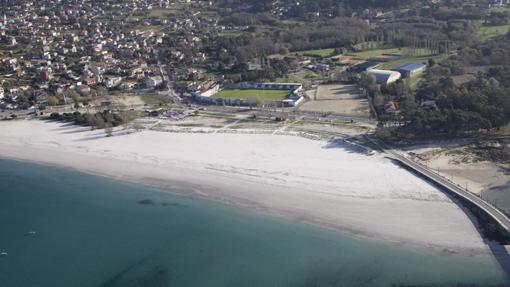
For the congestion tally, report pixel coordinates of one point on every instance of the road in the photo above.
(163, 69)
(289, 113)
(492, 211)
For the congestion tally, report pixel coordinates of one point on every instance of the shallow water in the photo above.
(92, 231)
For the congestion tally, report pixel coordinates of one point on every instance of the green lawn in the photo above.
(408, 60)
(288, 22)
(290, 79)
(490, 32)
(232, 33)
(415, 81)
(164, 13)
(400, 52)
(365, 55)
(151, 100)
(324, 53)
(264, 95)
(404, 56)
(500, 9)
(504, 131)
(161, 13)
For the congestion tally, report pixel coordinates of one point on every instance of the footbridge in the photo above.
(499, 217)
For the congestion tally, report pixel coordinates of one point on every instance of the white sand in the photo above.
(282, 175)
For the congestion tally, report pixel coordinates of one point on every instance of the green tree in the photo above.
(53, 100)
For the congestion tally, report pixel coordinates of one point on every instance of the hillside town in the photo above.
(67, 52)
(57, 52)
(78, 54)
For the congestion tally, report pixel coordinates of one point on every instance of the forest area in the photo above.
(436, 29)
(442, 107)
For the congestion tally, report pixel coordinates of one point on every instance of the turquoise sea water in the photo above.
(97, 232)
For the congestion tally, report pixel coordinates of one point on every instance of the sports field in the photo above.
(264, 95)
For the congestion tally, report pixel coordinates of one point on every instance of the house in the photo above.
(91, 81)
(428, 104)
(155, 113)
(152, 82)
(208, 88)
(41, 97)
(112, 82)
(410, 70)
(46, 74)
(390, 107)
(384, 76)
(318, 67)
(83, 89)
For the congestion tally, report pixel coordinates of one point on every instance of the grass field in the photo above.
(324, 53)
(264, 95)
(402, 56)
(365, 55)
(490, 32)
(300, 77)
(412, 59)
(151, 100)
(500, 9)
(503, 131)
(397, 52)
(161, 13)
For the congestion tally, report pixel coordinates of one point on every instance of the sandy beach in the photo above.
(462, 168)
(289, 176)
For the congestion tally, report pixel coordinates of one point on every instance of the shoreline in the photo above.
(391, 217)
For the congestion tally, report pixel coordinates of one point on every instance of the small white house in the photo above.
(111, 82)
(152, 82)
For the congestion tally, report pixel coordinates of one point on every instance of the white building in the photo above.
(384, 76)
(152, 82)
(111, 82)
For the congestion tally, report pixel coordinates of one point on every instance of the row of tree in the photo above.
(100, 120)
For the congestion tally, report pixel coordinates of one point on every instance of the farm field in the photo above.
(265, 95)
(338, 99)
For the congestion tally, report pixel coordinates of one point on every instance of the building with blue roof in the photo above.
(364, 66)
(410, 70)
